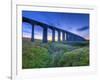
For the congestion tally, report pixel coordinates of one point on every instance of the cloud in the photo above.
(83, 28)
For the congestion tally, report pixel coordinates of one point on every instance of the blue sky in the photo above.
(77, 23)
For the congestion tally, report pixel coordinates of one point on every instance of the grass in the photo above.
(42, 55)
(77, 57)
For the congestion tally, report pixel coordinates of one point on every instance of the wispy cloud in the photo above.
(83, 28)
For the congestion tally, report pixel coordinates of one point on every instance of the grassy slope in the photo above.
(40, 55)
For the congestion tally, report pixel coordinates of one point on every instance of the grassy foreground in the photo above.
(43, 55)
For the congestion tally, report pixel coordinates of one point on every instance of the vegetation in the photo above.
(77, 57)
(42, 55)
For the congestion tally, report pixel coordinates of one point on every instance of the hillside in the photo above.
(44, 55)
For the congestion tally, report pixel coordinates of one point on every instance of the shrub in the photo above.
(78, 57)
(56, 50)
(41, 55)
(35, 57)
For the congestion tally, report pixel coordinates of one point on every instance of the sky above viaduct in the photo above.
(77, 23)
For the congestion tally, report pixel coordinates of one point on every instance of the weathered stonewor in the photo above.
(53, 35)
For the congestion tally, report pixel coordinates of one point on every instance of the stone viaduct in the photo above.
(66, 36)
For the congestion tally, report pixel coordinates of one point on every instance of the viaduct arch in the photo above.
(66, 36)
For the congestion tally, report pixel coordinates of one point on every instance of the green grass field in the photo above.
(44, 55)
